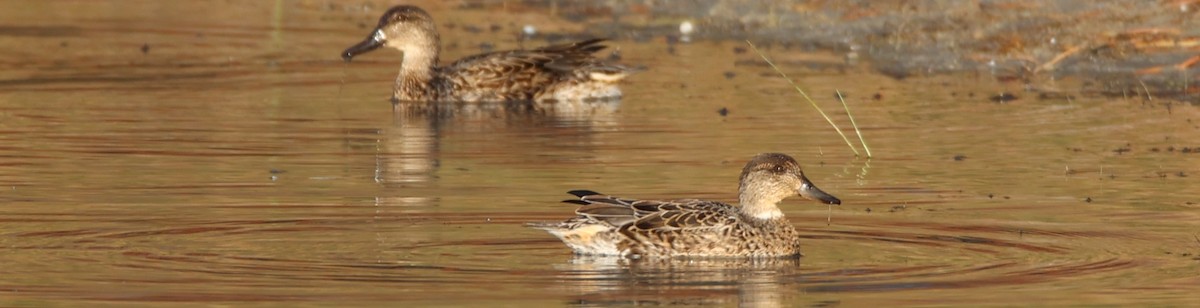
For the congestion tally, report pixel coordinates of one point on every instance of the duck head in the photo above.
(772, 177)
(404, 27)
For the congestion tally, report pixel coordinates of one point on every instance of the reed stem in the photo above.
(852, 123)
(805, 95)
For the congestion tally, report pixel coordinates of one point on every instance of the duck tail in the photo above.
(583, 193)
(590, 46)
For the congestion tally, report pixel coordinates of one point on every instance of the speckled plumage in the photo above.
(551, 73)
(607, 225)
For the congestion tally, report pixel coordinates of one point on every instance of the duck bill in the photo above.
(810, 191)
(374, 41)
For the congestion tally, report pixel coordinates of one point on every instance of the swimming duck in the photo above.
(632, 228)
(551, 73)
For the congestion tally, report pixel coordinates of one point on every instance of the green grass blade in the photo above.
(805, 95)
(852, 123)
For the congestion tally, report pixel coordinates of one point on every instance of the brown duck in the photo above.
(608, 225)
(551, 73)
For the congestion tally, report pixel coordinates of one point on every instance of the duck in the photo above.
(605, 225)
(565, 72)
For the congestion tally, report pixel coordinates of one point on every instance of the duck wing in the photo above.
(519, 73)
(654, 216)
(554, 57)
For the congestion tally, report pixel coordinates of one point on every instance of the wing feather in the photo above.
(646, 216)
(526, 71)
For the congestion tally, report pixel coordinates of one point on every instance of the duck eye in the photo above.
(777, 169)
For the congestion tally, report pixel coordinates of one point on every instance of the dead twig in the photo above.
(1050, 65)
(1188, 63)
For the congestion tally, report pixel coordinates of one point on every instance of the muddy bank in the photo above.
(1062, 47)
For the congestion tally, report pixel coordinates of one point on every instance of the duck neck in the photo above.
(757, 203)
(416, 75)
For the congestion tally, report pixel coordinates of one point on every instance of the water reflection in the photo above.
(409, 151)
(888, 257)
(607, 281)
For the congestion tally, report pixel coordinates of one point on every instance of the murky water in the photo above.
(197, 153)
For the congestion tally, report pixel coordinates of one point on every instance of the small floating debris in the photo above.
(528, 31)
(723, 111)
(1003, 97)
(1125, 149)
(685, 29)
(145, 48)
(275, 173)
(851, 58)
(615, 55)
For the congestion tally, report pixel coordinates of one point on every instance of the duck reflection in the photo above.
(748, 282)
(409, 152)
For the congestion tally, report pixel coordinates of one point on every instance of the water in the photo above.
(237, 161)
